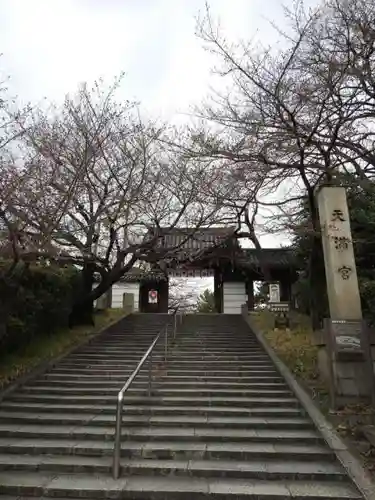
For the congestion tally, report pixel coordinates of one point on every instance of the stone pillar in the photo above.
(250, 295)
(163, 299)
(109, 298)
(218, 289)
(348, 351)
(341, 273)
(128, 302)
(105, 300)
(285, 291)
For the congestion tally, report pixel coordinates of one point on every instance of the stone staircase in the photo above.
(221, 423)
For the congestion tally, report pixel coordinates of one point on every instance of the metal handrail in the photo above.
(120, 395)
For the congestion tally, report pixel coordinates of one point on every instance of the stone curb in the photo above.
(351, 464)
(44, 366)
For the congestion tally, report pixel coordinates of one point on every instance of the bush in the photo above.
(38, 299)
(301, 293)
(367, 290)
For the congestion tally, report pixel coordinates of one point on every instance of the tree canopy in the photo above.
(206, 302)
(95, 186)
(92, 183)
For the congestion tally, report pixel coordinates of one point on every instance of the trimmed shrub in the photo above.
(37, 300)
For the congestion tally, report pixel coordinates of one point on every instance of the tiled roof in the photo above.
(274, 257)
(138, 275)
(194, 239)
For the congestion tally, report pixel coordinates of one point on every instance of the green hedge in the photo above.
(36, 300)
(301, 292)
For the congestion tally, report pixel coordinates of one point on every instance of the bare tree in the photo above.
(293, 117)
(12, 176)
(182, 296)
(101, 187)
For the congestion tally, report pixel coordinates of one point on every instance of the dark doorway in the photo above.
(145, 303)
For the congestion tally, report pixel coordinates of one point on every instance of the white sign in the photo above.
(274, 289)
(152, 297)
(348, 341)
(279, 306)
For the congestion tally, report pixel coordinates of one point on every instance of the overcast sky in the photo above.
(50, 46)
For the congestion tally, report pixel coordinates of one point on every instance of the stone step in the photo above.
(71, 378)
(131, 335)
(217, 340)
(203, 357)
(136, 348)
(178, 348)
(120, 348)
(132, 332)
(159, 406)
(171, 371)
(234, 402)
(105, 393)
(212, 363)
(196, 347)
(220, 422)
(217, 346)
(190, 434)
(124, 341)
(202, 350)
(202, 419)
(128, 358)
(274, 470)
(130, 338)
(123, 373)
(176, 344)
(163, 382)
(170, 449)
(119, 351)
(173, 364)
(143, 487)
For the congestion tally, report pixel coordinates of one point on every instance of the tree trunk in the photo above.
(318, 286)
(4, 317)
(263, 265)
(83, 307)
(267, 279)
(316, 269)
(82, 313)
(252, 235)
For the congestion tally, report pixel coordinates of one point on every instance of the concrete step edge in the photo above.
(267, 470)
(172, 488)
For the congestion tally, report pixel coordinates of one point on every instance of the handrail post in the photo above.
(166, 344)
(150, 374)
(116, 466)
(117, 447)
(175, 327)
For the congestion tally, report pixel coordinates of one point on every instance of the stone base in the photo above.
(324, 365)
(349, 376)
(347, 381)
(281, 322)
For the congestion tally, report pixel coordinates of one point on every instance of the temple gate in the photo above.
(212, 252)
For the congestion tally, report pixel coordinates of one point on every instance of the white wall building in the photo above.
(118, 291)
(234, 295)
